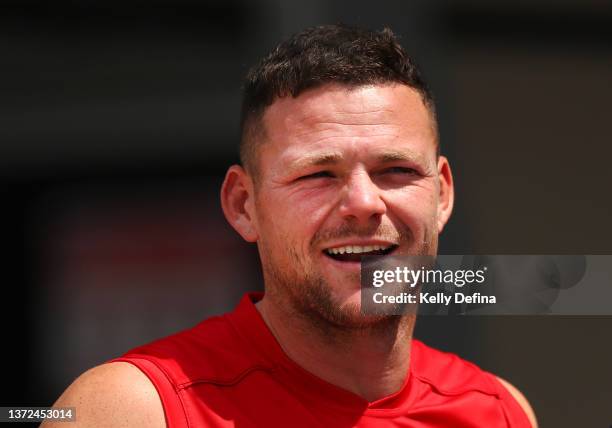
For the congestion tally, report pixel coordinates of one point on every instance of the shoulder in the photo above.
(521, 400)
(114, 394)
(447, 373)
(135, 389)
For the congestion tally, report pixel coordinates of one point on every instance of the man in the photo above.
(340, 158)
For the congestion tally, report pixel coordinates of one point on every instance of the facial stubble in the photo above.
(306, 294)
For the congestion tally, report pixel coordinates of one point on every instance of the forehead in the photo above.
(362, 120)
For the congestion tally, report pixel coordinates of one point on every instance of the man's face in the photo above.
(343, 171)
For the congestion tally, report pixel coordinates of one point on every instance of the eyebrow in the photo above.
(317, 159)
(399, 155)
(332, 158)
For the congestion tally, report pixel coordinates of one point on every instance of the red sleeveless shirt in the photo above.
(230, 371)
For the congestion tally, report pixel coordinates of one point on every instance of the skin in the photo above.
(339, 166)
(112, 395)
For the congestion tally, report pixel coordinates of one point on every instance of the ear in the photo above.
(237, 201)
(446, 197)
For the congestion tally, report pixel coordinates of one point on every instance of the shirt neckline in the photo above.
(249, 324)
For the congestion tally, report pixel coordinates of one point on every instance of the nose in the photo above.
(361, 199)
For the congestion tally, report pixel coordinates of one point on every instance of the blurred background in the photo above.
(118, 120)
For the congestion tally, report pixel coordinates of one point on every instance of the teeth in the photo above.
(356, 249)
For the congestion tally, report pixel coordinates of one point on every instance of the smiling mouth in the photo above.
(354, 253)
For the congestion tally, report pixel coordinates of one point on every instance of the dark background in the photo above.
(119, 119)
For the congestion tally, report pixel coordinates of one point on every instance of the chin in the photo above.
(347, 313)
(349, 299)
(351, 318)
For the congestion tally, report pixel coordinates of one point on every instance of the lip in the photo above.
(346, 266)
(353, 266)
(360, 243)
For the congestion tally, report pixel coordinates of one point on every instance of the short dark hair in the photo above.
(317, 56)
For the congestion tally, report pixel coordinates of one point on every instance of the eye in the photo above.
(320, 174)
(400, 170)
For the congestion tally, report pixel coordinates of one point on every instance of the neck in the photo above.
(370, 361)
